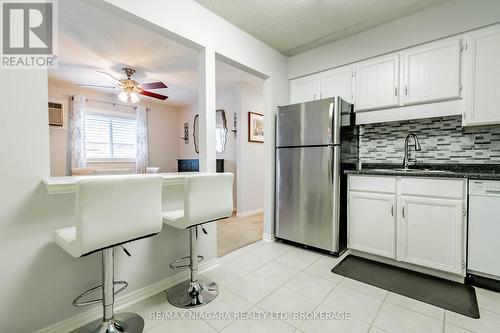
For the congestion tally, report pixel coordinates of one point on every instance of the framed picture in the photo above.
(255, 127)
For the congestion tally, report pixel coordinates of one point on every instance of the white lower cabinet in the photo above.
(420, 221)
(372, 214)
(431, 233)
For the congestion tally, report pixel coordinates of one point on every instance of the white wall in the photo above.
(187, 113)
(244, 159)
(251, 166)
(162, 130)
(25, 214)
(449, 18)
(226, 100)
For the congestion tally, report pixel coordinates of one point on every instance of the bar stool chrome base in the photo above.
(189, 294)
(122, 323)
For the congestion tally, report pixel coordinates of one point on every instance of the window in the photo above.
(109, 137)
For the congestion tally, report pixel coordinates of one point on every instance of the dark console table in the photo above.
(193, 165)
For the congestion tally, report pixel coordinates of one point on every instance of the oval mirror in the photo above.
(195, 133)
(220, 132)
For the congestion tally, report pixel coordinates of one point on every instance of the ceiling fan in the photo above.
(131, 89)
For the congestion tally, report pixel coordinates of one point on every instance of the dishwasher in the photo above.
(484, 231)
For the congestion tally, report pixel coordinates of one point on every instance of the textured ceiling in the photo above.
(91, 39)
(294, 26)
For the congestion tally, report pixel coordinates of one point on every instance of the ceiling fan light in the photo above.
(134, 98)
(123, 96)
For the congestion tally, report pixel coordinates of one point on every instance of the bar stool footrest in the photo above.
(176, 264)
(77, 301)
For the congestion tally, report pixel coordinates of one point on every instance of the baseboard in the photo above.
(483, 282)
(250, 212)
(268, 237)
(72, 323)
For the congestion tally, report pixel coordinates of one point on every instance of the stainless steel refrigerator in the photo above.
(308, 172)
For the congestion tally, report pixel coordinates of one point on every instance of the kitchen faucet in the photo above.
(417, 147)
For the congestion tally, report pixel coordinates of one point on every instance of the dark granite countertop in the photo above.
(471, 171)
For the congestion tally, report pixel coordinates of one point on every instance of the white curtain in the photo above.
(141, 161)
(77, 131)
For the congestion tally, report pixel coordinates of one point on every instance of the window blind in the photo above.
(109, 137)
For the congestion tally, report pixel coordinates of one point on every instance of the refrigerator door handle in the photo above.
(335, 112)
(336, 195)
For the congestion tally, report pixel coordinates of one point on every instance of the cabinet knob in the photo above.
(392, 210)
(403, 211)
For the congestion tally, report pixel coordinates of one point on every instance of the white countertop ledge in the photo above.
(67, 185)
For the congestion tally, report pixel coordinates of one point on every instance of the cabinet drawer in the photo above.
(434, 187)
(372, 184)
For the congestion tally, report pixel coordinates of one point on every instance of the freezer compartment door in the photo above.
(307, 124)
(307, 195)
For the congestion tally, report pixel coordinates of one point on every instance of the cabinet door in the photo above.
(483, 77)
(432, 72)
(337, 82)
(372, 222)
(377, 83)
(431, 233)
(304, 89)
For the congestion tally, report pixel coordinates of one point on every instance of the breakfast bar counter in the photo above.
(67, 185)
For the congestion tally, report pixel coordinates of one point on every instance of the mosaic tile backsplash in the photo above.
(443, 139)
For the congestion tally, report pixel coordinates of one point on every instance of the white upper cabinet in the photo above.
(331, 83)
(337, 82)
(304, 89)
(483, 77)
(432, 72)
(377, 82)
(398, 85)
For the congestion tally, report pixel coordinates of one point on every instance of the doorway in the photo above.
(240, 95)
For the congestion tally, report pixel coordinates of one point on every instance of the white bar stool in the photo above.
(207, 198)
(112, 212)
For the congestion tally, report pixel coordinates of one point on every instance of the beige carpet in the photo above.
(236, 232)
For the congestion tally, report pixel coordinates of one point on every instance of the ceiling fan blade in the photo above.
(95, 86)
(152, 94)
(153, 85)
(109, 76)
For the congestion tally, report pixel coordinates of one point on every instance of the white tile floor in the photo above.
(275, 277)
